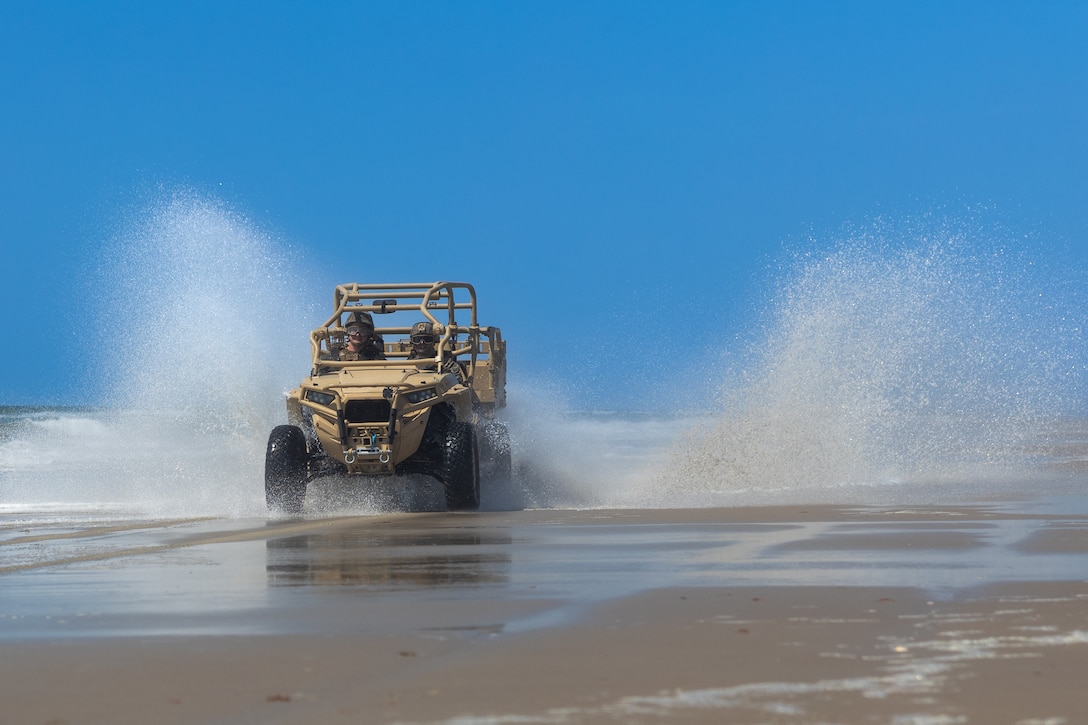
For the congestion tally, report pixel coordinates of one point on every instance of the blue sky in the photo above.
(619, 176)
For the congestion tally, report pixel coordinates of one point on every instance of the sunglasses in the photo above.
(423, 340)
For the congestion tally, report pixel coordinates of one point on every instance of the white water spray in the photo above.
(203, 329)
(893, 360)
(896, 358)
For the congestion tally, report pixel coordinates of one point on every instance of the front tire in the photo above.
(461, 468)
(285, 470)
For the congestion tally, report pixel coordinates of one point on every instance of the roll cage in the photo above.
(394, 309)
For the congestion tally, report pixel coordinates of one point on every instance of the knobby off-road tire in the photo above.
(461, 468)
(285, 470)
(496, 457)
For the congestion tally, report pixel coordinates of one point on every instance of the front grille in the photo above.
(367, 411)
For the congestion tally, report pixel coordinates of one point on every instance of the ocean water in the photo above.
(896, 364)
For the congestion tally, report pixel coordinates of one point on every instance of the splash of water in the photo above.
(195, 305)
(198, 303)
(899, 357)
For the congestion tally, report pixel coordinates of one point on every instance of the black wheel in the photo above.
(461, 468)
(496, 459)
(285, 470)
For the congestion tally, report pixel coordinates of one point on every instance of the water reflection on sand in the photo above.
(214, 575)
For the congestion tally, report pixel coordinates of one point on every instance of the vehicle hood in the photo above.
(375, 377)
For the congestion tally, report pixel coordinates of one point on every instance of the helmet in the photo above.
(423, 332)
(359, 319)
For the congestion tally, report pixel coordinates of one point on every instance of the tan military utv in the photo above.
(401, 413)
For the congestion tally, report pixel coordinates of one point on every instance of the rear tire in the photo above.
(461, 468)
(285, 470)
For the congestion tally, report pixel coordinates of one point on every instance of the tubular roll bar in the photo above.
(434, 297)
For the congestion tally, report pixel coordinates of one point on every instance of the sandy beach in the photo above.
(785, 614)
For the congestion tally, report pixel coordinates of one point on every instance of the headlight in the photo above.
(418, 396)
(316, 396)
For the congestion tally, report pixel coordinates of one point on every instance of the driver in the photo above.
(364, 343)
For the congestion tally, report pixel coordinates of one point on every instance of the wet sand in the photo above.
(789, 614)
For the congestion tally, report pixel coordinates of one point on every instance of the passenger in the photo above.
(424, 341)
(364, 343)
